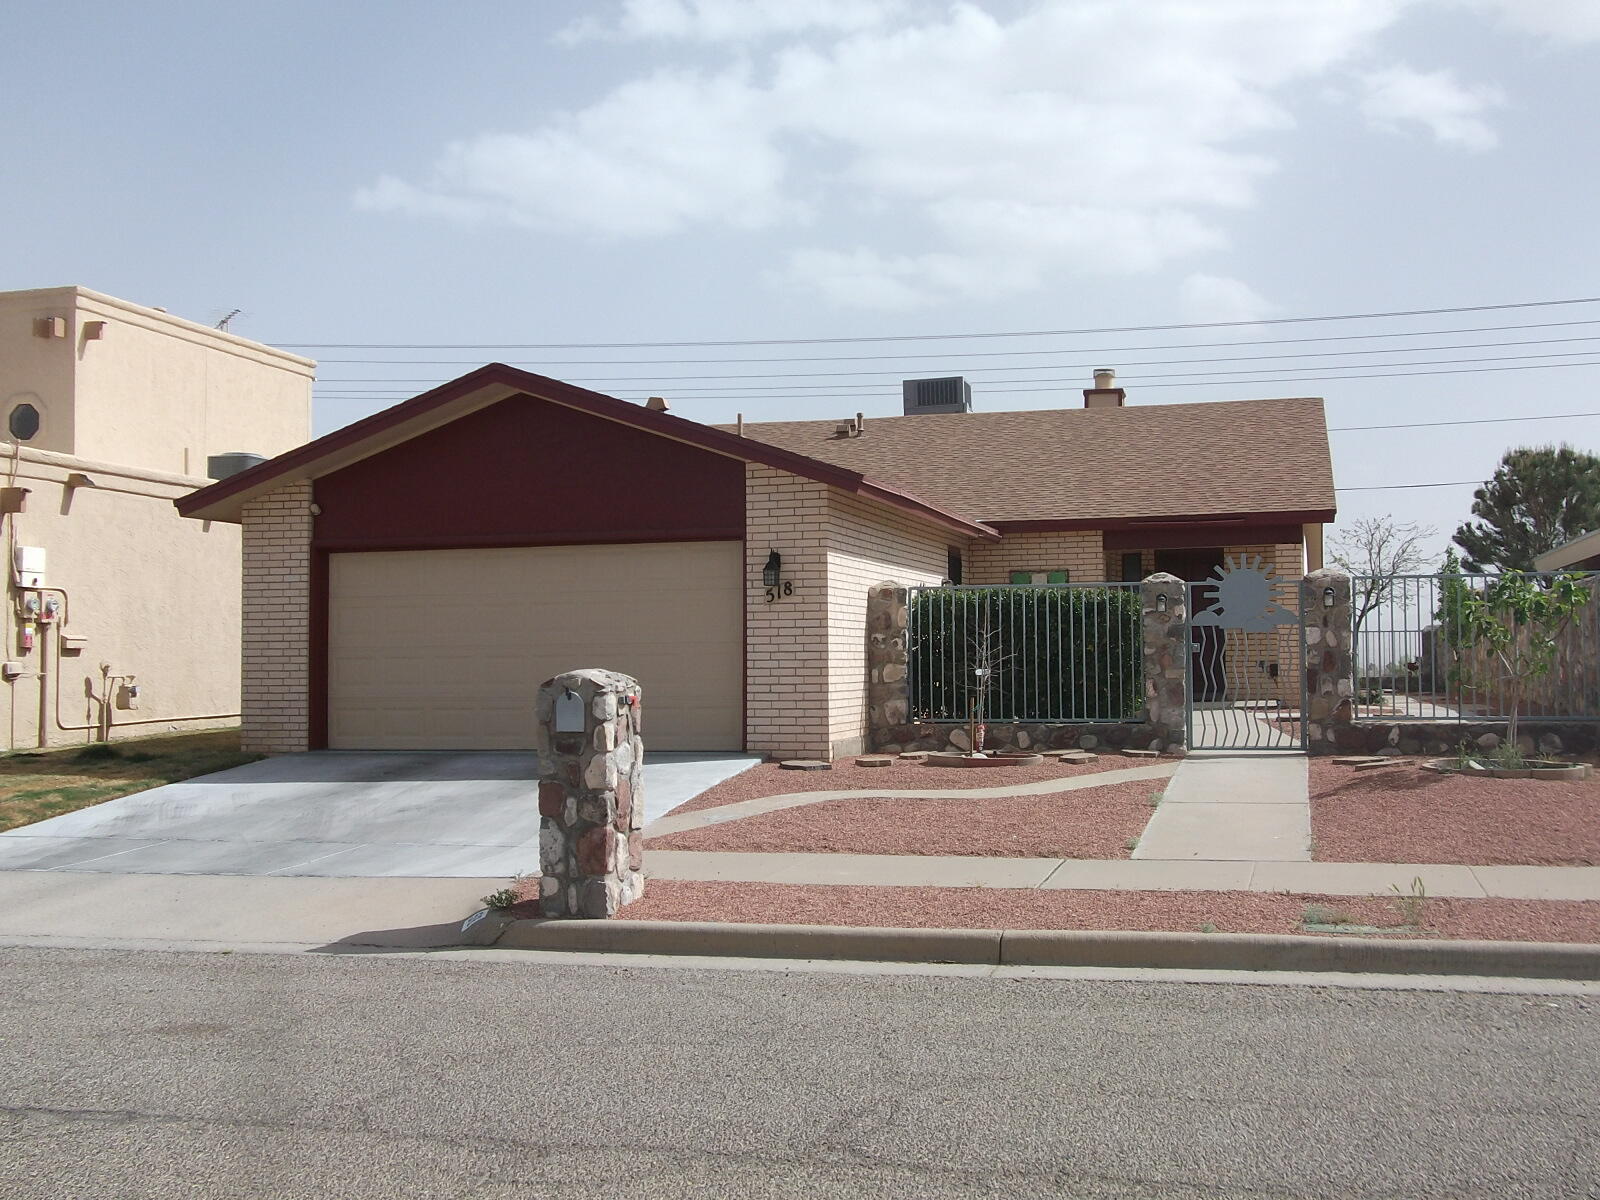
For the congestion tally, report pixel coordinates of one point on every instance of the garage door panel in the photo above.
(446, 649)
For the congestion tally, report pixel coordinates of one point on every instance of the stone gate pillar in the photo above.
(1164, 609)
(591, 775)
(888, 706)
(1330, 660)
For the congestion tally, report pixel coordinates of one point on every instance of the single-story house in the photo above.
(410, 580)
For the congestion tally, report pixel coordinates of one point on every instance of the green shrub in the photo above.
(1055, 653)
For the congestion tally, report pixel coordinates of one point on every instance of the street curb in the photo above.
(981, 946)
(1058, 948)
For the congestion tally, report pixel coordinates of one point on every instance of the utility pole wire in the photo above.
(937, 337)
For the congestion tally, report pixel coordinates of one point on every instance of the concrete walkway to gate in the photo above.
(1228, 807)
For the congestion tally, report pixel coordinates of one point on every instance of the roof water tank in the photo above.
(220, 466)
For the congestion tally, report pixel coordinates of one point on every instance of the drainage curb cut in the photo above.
(1059, 948)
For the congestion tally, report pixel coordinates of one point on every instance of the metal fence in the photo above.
(1416, 661)
(1247, 685)
(1025, 653)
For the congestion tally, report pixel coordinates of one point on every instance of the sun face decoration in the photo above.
(1244, 598)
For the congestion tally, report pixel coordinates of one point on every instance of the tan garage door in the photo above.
(445, 649)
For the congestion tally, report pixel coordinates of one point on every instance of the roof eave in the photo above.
(1297, 516)
(225, 499)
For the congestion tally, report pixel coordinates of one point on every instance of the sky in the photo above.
(404, 191)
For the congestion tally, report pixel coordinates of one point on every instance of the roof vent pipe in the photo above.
(1105, 393)
(656, 404)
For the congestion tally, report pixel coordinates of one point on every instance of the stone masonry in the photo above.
(1166, 659)
(591, 777)
(1329, 662)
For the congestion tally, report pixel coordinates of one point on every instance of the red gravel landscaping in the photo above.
(1183, 912)
(767, 779)
(1093, 822)
(1403, 814)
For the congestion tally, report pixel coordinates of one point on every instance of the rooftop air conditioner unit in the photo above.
(222, 466)
(952, 394)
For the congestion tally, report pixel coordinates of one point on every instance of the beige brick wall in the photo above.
(277, 610)
(868, 545)
(1113, 564)
(806, 653)
(786, 647)
(1080, 552)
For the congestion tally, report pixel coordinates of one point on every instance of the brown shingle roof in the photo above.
(1088, 464)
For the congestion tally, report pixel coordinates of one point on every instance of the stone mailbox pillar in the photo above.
(591, 775)
(1164, 609)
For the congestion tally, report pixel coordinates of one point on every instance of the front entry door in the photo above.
(1206, 676)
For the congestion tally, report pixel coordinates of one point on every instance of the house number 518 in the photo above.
(786, 588)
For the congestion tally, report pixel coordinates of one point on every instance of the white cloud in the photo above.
(732, 20)
(1069, 136)
(1399, 95)
(655, 156)
(1207, 298)
(1559, 20)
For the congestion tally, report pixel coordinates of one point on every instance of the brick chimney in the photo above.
(1104, 393)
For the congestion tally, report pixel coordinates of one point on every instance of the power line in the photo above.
(1135, 380)
(380, 393)
(1474, 421)
(1062, 366)
(1390, 487)
(935, 337)
(964, 354)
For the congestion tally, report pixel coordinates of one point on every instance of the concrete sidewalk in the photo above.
(1332, 878)
(295, 912)
(1223, 807)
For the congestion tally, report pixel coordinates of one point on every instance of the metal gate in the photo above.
(1246, 678)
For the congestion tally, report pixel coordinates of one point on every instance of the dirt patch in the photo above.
(1091, 822)
(1404, 814)
(1182, 912)
(767, 779)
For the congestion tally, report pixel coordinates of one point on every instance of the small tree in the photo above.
(1517, 620)
(1376, 552)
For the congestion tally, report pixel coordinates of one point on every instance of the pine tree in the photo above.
(1539, 498)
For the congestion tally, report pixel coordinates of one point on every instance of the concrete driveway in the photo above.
(335, 814)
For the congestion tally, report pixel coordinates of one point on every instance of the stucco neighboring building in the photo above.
(411, 579)
(1582, 553)
(123, 617)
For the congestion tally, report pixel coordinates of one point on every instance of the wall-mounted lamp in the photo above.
(78, 479)
(1327, 597)
(1161, 603)
(773, 569)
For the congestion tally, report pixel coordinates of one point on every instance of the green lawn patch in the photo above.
(35, 785)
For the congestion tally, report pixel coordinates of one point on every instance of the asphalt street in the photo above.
(142, 1074)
